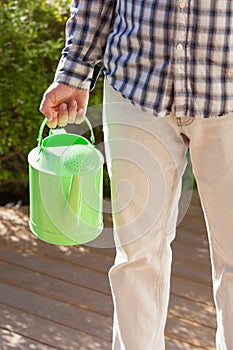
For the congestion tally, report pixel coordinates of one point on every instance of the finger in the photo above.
(52, 123)
(63, 115)
(72, 111)
(79, 116)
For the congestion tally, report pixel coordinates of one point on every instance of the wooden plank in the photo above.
(63, 270)
(193, 227)
(193, 311)
(14, 232)
(51, 333)
(56, 289)
(12, 340)
(80, 255)
(67, 315)
(192, 271)
(194, 223)
(174, 344)
(190, 252)
(191, 290)
(190, 332)
(193, 235)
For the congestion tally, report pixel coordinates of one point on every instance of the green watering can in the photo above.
(66, 188)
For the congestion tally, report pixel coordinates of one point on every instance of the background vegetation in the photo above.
(31, 40)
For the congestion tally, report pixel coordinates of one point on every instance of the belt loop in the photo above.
(179, 121)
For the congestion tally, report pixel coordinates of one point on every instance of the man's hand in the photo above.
(62, 104)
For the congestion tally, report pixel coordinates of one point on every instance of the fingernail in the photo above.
(80, 112)
(63, 107)
(73, 103)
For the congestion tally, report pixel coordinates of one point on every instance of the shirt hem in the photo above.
(164, 113)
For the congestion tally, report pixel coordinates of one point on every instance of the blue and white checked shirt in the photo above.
(155, 52)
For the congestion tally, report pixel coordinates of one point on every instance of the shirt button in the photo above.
(179, 47)
(182, 4)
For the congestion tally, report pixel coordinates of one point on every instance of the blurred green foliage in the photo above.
(31, 40)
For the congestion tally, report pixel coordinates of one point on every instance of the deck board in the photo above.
(55, 297)
(46, 331)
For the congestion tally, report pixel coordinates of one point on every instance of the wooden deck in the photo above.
(59, 298)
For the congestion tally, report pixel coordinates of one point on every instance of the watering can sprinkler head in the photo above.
(80, 159)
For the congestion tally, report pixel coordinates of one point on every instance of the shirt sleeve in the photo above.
(86, 34)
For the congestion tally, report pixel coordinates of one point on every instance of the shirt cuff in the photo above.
(76, 73)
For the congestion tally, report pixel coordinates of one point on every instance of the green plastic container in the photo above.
(66, 188)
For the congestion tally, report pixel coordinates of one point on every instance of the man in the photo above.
(168, 87)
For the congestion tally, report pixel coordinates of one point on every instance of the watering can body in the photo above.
(65, 208)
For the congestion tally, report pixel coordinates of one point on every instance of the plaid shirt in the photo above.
(154, 52)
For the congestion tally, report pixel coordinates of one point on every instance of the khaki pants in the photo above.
(146, 158)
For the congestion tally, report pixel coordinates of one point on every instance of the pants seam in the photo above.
(175, 180)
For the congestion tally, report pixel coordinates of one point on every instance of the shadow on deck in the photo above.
(55, 297)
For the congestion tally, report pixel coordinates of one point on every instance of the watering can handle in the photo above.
(39, 139)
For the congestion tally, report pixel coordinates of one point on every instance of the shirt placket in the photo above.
(179, 57)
